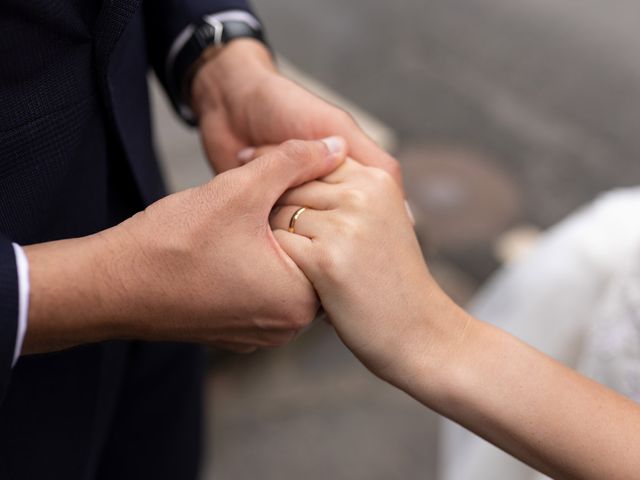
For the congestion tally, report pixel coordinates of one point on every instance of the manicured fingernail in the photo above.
(335, 145)
(410, 212)
(246, 154)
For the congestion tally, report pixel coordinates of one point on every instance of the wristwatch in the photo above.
(212, 31)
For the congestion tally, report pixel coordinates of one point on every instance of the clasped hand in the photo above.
(356, 243)
(200, 265)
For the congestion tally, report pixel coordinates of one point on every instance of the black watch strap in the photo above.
(208, 33)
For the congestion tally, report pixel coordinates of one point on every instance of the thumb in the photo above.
(293, 163)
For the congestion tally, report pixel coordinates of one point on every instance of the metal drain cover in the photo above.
(459, 197)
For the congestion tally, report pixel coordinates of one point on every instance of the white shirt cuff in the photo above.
(226, 16)
(22, 265)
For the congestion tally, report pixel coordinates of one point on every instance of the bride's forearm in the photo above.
(368, 270)
(526, 403)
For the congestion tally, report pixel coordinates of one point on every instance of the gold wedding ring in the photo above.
(294, 219)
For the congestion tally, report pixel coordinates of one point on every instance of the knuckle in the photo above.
(380, 175)
(293, 317)
(355, 197)
(301, 318)
(282, 338)
(302, 314)
(273, 330)
(345, 225)
(380, 179)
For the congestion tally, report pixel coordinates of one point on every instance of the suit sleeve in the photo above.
(166, 19)
(9, 305)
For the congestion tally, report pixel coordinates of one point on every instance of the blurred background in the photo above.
(506, 116)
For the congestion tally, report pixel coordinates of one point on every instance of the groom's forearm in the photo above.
(529, 405)
(73, 297)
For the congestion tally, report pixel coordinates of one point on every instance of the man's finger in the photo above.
(249, 154)
(291, 164)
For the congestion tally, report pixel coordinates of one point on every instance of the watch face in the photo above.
(234, 29)
(209, 33)
(205, 35)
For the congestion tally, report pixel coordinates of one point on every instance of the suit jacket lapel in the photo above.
(112, 20)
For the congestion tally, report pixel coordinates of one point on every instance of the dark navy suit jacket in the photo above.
(76, 157)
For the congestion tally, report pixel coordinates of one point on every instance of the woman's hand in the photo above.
(356, 243)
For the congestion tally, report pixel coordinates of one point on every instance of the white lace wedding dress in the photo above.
(577, 298)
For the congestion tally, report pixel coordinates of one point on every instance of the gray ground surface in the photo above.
(548, 88)
(508, 112)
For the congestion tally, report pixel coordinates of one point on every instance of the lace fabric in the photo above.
(576, 297)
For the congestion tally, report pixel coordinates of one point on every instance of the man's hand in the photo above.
(200, 266)
(242, 101)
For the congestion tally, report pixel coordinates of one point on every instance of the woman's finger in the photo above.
(316, 195)
(300, 249)
(344, 172)
(306, 222)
